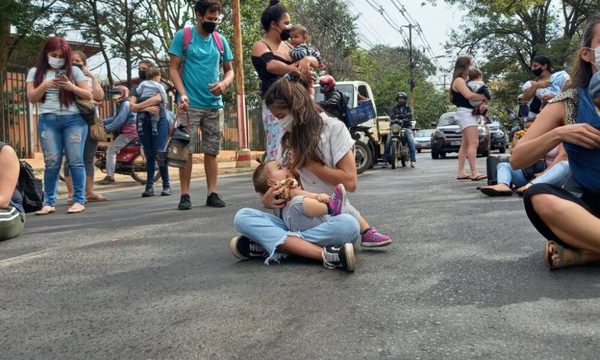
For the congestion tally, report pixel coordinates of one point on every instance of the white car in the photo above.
(423, 139)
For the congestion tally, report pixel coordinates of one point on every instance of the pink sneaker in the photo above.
(338, 200)
(373, 238)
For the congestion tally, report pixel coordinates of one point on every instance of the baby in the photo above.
(301, 49)
(147, 89)
(303, 210)
(594, 89)
(476, 84)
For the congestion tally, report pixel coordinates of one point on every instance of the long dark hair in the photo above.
(460, 67)
(41, 67)
(581, 71)
(290, 92)
(543, 60)
(274, 12)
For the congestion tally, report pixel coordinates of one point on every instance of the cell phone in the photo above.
(61, 72)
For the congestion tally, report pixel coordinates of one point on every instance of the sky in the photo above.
(436, 23)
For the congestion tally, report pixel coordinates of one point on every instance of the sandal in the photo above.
(95, 198)
(521, 191)
(466, 177)
(69, 201)
(76, 209)
(478, 177)
(45, 210)
(567, 257)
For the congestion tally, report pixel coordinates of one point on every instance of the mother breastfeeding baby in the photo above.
(319, 149)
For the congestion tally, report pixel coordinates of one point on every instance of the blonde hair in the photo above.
(475, 73)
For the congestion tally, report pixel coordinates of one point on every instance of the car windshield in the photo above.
(447, 119)
(424, 133)
(346, 89)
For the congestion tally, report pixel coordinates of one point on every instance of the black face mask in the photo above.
(142, 74)
(284, 35)
(537, 72)
(209, 27)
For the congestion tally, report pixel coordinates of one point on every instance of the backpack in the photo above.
(30, 187)
(343, 109)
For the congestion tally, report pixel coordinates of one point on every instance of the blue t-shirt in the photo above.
(201, 68)
(585, 163)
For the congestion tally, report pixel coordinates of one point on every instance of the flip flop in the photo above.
(76, 209)
(45, 210)
(96, 198)
(566, 257)
(467, 177)
(479, 177)
(489, 191)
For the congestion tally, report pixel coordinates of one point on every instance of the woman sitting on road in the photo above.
(12, 215)
(460, 94)
(571, 224)
(319, 149)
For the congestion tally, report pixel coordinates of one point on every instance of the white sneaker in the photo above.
(412, 164)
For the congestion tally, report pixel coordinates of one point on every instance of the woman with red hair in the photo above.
(53, 86)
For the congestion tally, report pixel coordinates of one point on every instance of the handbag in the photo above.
(97, 131)
(87, 109)
(530, 171)
(177, 148)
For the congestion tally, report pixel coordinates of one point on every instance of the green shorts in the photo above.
(209, 122)
(11, 223)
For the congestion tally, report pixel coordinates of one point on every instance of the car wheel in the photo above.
(419, 151)
(502, 149)
(435, 155)
(443, 155)
(363, 157)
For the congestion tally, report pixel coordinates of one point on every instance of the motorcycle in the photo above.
(399, 149)
(130, 161)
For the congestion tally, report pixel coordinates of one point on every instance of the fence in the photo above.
(15, 113)
(18, 120)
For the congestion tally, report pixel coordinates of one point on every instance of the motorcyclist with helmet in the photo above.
(334, 103)
(401, 113)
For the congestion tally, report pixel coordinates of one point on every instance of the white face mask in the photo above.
(596, 57)
(56, 63)
(287, 122)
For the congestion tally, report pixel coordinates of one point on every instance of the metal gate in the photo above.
(15, 114)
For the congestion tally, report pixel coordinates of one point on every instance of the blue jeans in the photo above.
(58, 134)
(89, 155)
(412, 151)
(269, 231)
(508, 175)
(556, 175)
(155, 148)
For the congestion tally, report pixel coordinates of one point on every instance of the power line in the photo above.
(366, 26)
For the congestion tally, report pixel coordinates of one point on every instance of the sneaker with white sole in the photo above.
(373, 238)
(245, 249)
(339, 257)
(338, 200)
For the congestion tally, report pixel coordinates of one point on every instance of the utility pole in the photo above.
(411, 66)
(243, 156)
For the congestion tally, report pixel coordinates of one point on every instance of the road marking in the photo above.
(26, 257)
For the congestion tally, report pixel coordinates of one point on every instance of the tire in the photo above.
(419, 151)
(363, 157)
(138, 169)
(485, 153)
(435, 155)
(443, 155)
(394, 154)
(502, 149)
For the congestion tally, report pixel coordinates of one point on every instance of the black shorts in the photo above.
(590, 202)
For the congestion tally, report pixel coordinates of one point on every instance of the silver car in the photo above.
(423, 139)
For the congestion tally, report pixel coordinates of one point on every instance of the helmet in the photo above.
(401, 94)
(327, 83)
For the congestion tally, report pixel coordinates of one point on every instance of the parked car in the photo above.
(447, 137)
(498, 136)
(423, 139)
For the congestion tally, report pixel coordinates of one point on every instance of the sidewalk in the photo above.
(227, 166)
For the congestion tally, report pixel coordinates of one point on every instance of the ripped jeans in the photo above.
(58, 134)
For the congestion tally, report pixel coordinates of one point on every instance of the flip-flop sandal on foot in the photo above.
(466, 177)
(76, 209)
(479, 177)
(566, 257)
(489, 191)
(45, 210)
(96, 198)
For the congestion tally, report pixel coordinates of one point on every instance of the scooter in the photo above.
(130, 161)
(399, 148)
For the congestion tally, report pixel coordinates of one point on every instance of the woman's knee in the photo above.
(243, 216)
(348, 225)
(547, 205)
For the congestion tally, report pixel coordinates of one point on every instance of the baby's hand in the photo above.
(323, 198)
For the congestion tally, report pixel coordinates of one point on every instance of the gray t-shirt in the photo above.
(52, 103)
(148, 88)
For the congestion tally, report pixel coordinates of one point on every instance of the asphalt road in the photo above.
(134, 278)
